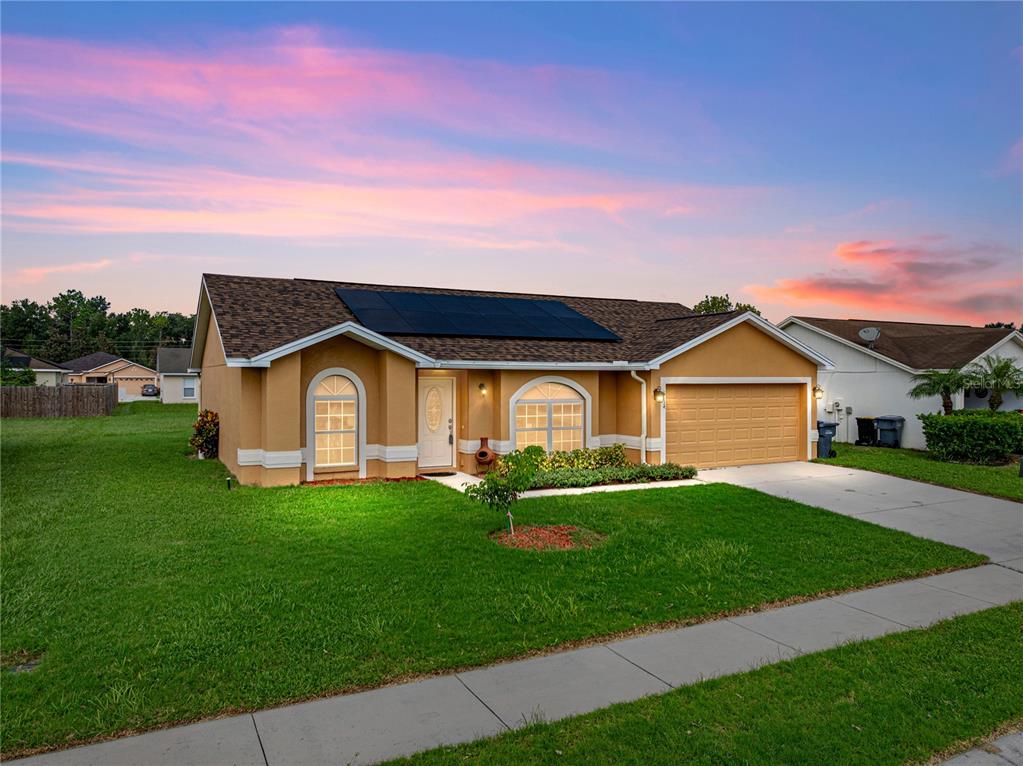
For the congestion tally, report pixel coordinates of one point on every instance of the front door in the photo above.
(436, 422)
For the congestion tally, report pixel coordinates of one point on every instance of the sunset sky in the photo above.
(833, 160)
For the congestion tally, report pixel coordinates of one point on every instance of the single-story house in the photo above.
(317, 380)
(101, 367)
(178, 384)
(875, 362)
(47, 373)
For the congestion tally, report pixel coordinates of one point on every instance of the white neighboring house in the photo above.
(177, 384)
(873, 378)
(47, 373)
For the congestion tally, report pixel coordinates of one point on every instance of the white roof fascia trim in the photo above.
(1013, 336)
(205, 331)
(850, 344)
(517, 365)
(345, 328)
(760, 322)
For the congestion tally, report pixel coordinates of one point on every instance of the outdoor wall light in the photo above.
(818, 393)
(483, 389)
(658, 394)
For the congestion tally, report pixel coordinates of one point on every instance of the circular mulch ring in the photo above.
(553, 537)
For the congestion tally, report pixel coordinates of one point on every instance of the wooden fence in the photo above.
(57, 401)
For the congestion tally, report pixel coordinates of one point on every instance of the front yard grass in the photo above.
(894, 700)
(151, 594)
(999, 481)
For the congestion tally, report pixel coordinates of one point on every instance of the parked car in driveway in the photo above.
(150, 390)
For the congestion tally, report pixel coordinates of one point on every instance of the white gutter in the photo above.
(642, 429)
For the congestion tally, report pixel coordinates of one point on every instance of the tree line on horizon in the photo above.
(69, 326)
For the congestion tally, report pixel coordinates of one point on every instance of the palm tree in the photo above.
(943, 383)
(998, 374)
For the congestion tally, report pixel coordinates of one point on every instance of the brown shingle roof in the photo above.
(19, 359)
(258, 314)
(90, 361)
(920, 346)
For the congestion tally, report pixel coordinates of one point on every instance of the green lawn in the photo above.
(153, 594)
(1000, 481)
(893, 700)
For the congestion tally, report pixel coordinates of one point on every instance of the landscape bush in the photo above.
(986, 438)
(206, 434)
(1011, 415)
(601, 457)
(627, 474)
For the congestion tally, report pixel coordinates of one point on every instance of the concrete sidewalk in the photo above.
(1004, 751)
(399, 720)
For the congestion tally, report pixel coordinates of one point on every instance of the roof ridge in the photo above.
(895, 321)
(450, 289)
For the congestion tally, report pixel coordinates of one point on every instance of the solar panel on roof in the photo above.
(415, 313)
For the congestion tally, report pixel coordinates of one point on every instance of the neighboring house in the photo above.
(873, 377)
(101, 367)
(47, 373)
(325, 380)
(177, 383)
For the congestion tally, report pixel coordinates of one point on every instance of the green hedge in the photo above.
(626, 474)
(602, 457)
(988, 438)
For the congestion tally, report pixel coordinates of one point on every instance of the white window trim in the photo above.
(588, 440)
(310, 419)
(811, 423)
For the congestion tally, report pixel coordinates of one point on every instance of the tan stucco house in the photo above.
(101, 367)
(178, 385)
(318, 380)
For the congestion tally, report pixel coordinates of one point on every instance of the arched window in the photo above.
(549, 415)
(336, 403)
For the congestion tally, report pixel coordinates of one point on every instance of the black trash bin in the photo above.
(866, 432)
(889, 430)
(825, 434)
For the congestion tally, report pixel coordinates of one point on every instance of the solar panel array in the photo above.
(419, 313)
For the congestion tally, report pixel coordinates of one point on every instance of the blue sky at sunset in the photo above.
(824, 159)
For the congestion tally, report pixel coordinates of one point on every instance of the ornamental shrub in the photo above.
(206, 433)
(987, 438)
(1010, 415)
(627, 474)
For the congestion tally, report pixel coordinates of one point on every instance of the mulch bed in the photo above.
(346, 482)
(554, 537)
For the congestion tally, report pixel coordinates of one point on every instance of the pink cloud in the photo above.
(926, 276)
(34, 274)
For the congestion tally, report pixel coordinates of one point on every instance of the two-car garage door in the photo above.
(709, 425)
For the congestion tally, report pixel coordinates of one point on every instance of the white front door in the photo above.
(436, 422)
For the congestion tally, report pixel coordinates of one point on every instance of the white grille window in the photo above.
(335, 422)
(549, 415)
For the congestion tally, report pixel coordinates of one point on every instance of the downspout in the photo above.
(642, 430)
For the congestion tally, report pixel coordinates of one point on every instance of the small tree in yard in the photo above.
(500, 487)
(943, 383)
(997, 374)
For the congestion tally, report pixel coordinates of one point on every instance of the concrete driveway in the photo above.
(986, 525)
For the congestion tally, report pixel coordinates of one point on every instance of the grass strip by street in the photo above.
(997, 481)
(150, 594)
(893, 700)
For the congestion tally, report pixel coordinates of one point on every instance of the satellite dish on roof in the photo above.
(869, 335)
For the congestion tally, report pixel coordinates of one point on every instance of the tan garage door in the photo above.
(733, 424)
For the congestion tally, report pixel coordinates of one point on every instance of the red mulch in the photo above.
(554, 537)
(344, 482)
